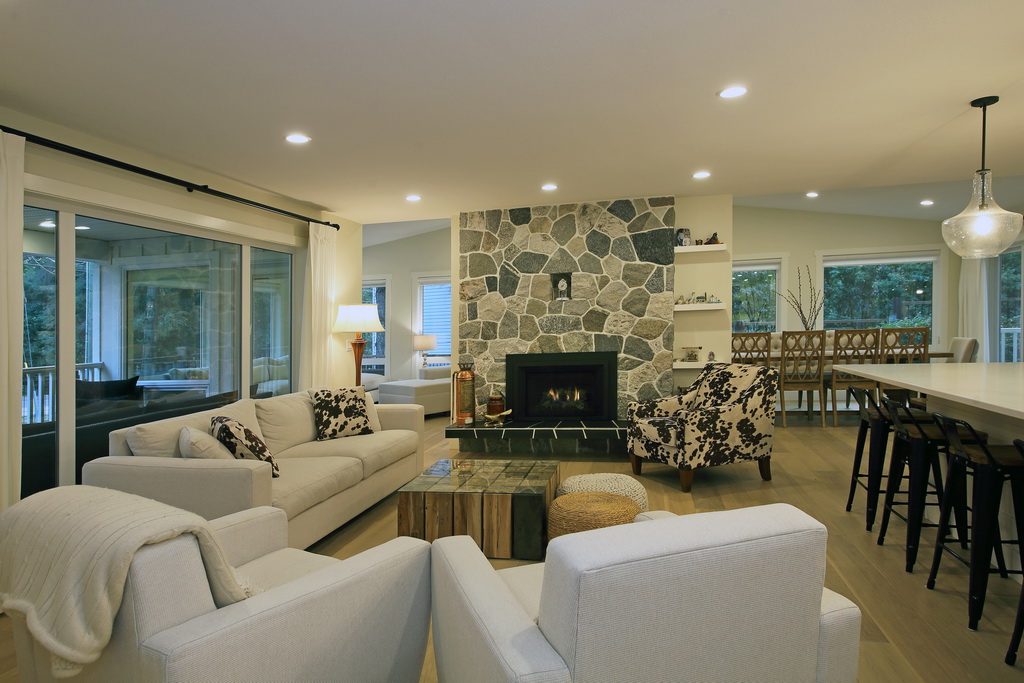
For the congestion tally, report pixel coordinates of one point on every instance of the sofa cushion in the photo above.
(304, 482)
(286, 420)
(374, 451)
(194, 443)
(340, 412)
(242, 442)
(160, 438)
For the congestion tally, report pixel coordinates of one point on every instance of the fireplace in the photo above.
(562, 386)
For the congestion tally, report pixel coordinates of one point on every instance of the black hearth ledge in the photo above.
(542, 429)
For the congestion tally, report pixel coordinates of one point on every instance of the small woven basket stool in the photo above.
(589, 510)
(622, 484)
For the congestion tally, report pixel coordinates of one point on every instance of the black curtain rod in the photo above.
(191, 187)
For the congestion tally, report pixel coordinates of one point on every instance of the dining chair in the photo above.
(751, 347)
(802, 368)
(902, 345)
(852, 347)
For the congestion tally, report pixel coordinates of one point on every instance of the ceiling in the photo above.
(474, 104)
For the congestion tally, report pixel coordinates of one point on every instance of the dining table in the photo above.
(990, 396)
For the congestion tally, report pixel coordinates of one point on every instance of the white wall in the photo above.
(800, 237)
(401, 262)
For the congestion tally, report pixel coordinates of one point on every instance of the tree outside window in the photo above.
(879, 293)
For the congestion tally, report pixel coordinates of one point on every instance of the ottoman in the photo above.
(433, 394)
(622, 484)
(589, 510)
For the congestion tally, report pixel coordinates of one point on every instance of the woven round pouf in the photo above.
(622, 484)
(589, 510)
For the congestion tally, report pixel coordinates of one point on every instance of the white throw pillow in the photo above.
(194, 443)
(371, 415)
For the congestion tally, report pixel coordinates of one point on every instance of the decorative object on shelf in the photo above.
(358, 318)
(684, 300)
(808, 312)
(424, 343)
(711, 356)
(699, 242)
(464, 395)
(496, 403)
(713, 239)
(683, 237)
(691, 354)
(701, 298)
(497, 418)
(984, 228)
(712, 299)
(561, 286)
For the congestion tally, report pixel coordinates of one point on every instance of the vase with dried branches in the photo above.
(810, 310)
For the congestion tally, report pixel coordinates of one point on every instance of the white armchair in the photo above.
(318, 619)
(719, 596)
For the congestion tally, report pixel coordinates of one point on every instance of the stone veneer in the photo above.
(620, 254)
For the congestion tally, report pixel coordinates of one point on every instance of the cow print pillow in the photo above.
(341, 412)
(242, 442)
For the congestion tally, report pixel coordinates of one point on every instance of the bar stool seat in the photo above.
(991, 467)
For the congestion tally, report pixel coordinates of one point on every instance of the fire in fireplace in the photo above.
(561, 386)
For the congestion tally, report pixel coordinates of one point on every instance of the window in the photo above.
(375, 353)
(1009, 306)
(877, 291)
(271, 306)
(435, 313)
(754, 299)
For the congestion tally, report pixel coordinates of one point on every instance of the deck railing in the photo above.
(39, 389)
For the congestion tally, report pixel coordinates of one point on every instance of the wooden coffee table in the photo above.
(501, 504)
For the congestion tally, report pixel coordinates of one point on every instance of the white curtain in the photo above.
(323, 241)
(12, 199)
(976, 304)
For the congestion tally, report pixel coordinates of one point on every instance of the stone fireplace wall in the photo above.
(620, 257)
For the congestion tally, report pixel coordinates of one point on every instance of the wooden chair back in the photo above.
(751, 347)
(903, 345)
(803, 357)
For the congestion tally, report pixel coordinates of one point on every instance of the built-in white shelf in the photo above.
(701, 247)
(689, 365)
(720, 306)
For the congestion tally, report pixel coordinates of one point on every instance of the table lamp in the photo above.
(358, 318)
(424, 342)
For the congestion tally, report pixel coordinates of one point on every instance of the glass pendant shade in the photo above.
(984, 229)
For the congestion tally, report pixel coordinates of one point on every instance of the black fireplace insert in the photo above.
(562, 386)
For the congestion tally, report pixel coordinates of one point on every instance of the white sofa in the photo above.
(318, 618)
(323, 484)
(718, 596)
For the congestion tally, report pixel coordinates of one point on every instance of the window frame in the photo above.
(935, 253)
(419, 280)
(776, 262)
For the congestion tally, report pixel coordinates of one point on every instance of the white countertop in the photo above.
(996, 387)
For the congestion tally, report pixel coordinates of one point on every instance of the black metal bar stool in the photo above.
(875, 427)
(923, 442)
(991, 466)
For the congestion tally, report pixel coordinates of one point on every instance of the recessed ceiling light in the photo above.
(47, 224)
(734, 91)
(702, 174)
(549, 187)
(926, 202)
(413, 198)
(298, 138)
(82, 227)
(812, 194)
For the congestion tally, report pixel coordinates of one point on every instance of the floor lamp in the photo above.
(358, 318)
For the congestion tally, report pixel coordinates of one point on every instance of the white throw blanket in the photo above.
(64, 559)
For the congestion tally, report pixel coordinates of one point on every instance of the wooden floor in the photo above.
(909, 633)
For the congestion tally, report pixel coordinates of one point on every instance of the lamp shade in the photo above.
(424, 342)
(357, 318)
(984, 228)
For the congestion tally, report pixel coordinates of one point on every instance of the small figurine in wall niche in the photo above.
(713, 239)
(711, 356)
(683, 237)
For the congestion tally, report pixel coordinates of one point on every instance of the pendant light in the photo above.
(983, 229)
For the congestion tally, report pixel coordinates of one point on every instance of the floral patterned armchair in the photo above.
(726, 415)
